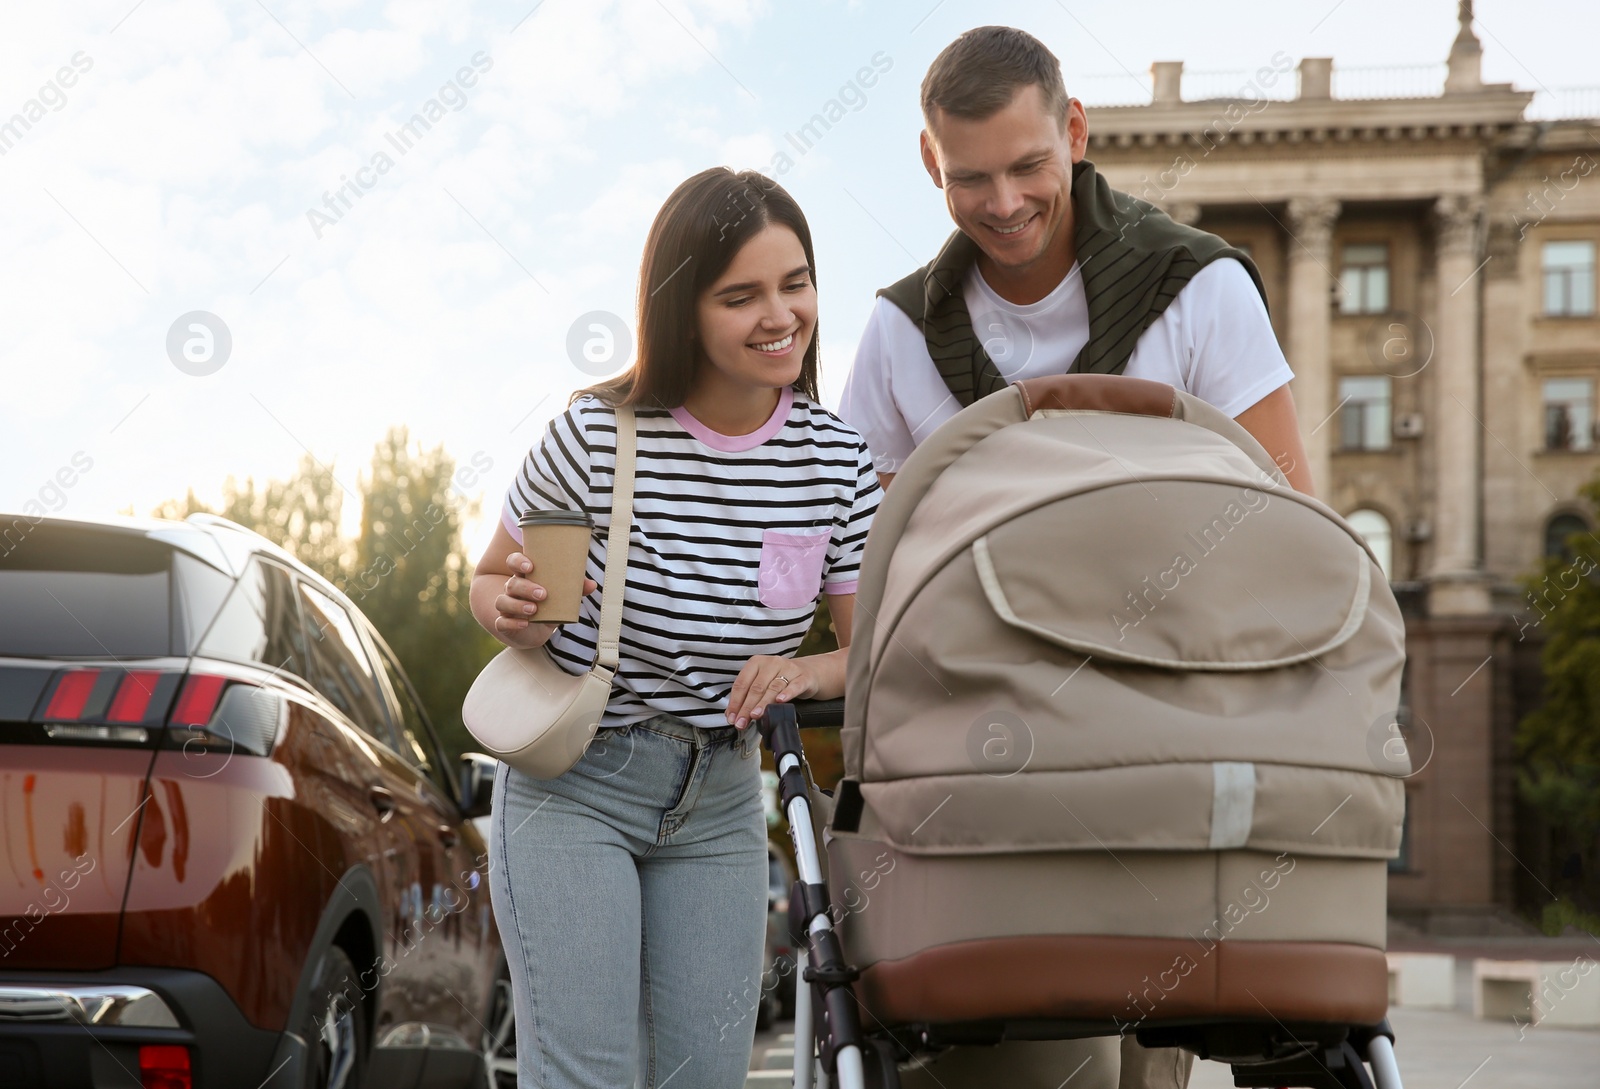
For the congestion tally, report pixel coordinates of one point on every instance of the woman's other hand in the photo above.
(765, 679)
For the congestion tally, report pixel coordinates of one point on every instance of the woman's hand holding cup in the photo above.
(560, 538)
(518, 606)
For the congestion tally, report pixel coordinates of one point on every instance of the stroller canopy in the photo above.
(1093, 615)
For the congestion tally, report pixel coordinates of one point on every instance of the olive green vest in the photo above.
(1134, 260)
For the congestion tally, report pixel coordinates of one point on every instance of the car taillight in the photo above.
(220, 714)
(129, 706)
(72, 692)
(115, 705)
(132, 700)
(164, 1066)
(198, 700)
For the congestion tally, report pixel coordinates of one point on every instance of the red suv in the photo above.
(233, 852)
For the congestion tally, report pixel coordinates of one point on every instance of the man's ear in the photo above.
(930, 161)
(1077, 130)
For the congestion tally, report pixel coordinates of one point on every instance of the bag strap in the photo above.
(616, 573)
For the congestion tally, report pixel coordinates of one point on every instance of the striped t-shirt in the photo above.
(734, 538)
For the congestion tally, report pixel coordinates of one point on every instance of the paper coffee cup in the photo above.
(557, 541)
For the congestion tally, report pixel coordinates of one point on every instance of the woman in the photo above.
(631, 891)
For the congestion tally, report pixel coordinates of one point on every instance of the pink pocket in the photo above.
(791, 568)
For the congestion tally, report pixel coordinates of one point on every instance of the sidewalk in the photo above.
(1443, 1049)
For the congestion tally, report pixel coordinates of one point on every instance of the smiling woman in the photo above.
(645, 884)
(725, 247)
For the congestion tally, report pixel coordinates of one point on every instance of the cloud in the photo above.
(189, 155)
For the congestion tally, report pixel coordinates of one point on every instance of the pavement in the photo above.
(1443, 1049)
(1450, 1049)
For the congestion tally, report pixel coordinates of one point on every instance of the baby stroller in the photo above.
(1118, 755)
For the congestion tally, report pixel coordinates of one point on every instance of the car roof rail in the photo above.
(205, 518)
(262, 543)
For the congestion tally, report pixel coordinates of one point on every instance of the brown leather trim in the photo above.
(1076, 977)
(1099, 393)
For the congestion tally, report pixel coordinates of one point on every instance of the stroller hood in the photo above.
(1094, 616)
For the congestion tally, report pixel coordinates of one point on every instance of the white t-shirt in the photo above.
(734, 538)
(1213, 341)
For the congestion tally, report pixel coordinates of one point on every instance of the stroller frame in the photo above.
(830, 1042)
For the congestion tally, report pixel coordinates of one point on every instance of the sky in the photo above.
(223, 249)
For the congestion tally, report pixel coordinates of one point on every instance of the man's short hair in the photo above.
(978, 74)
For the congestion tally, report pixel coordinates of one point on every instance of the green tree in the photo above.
(1559, 743)
(407, 569)
(300, 515)
(412, 575)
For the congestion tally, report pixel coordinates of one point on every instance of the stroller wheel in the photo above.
(878, 1064)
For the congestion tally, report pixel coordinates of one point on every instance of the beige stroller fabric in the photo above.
(1111, 676)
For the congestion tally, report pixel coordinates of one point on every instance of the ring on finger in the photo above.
(782, 679)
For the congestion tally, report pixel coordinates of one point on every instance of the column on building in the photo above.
(1511, 502)
(1311, 221)
(1457, 583)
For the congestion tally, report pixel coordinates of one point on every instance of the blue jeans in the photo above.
(631, 898)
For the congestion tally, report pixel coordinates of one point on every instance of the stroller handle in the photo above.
(827, 979)
(814, 714)
(780, 724)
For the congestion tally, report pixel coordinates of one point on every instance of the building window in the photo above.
(1558, 531)
(1569, 413)
(1568, 278)
(1364, 413)
(1364, 279)
(1374, 529)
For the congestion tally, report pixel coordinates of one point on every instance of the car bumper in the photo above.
(83, 1030)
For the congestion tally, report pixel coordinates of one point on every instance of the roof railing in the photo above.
(1349, 85)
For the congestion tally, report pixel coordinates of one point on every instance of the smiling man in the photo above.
(1051, 270)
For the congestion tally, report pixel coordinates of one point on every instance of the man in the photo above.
(1050, 270)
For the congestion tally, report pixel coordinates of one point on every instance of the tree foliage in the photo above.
(412, 578)
(301, 514)
(406, 569)
(1558, 744)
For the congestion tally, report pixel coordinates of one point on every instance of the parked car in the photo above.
(234, 853)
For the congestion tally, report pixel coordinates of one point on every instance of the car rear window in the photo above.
(259, 622)
(77, 592)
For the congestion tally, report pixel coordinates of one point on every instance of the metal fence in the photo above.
(1394, 81)
(1564, 104)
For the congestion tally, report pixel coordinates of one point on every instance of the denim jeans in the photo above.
(631, 898)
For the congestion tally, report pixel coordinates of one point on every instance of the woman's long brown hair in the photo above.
(695, 237)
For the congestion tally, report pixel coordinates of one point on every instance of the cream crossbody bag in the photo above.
(524, 708)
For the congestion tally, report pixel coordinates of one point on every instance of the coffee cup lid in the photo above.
(555, 518)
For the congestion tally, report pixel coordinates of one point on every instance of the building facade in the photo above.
(1430, 263)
